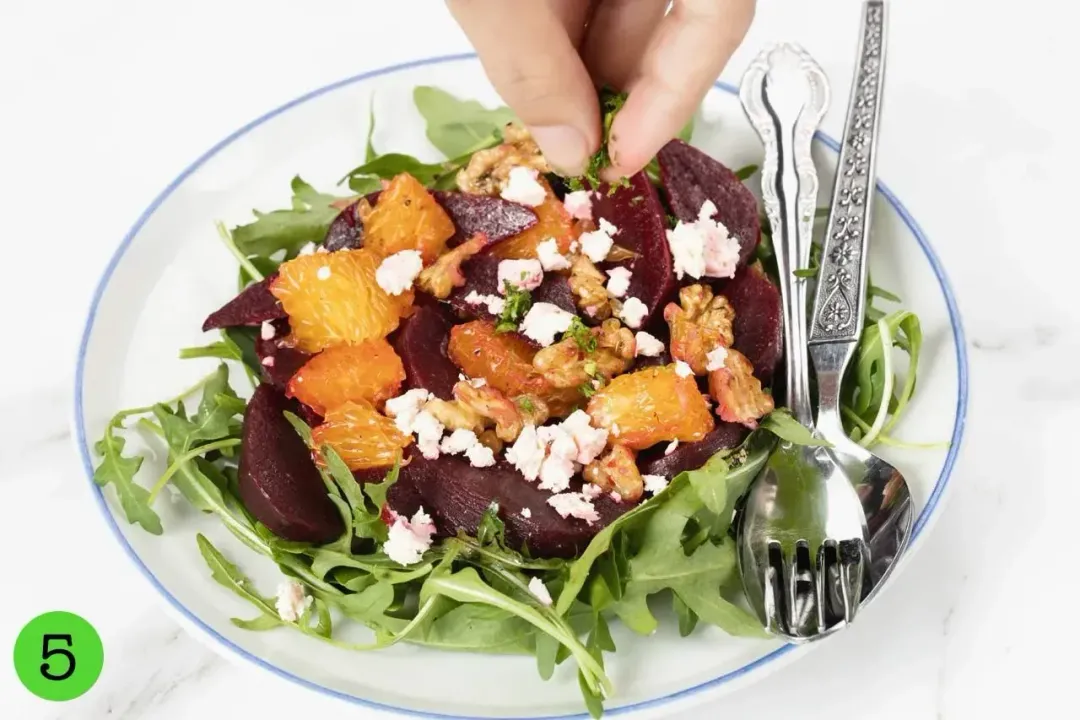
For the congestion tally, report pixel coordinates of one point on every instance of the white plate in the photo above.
(171, 271)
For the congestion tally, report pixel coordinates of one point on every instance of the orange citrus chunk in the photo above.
(407, 217)
(370, 371)
(362, 436)
(552, 221)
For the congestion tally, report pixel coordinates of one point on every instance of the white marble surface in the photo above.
(102, 103)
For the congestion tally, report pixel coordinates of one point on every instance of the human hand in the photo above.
(547, 57)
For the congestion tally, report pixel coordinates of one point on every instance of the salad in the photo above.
(495, 409)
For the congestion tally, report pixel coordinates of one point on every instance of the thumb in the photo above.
(529, 57)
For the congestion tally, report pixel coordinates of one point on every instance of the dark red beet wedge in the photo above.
(253, 306)
(421, 343)
(759, 329)
(690, 456)
(639, 215)
(493, 216)
(482, 276)
(286, 360)
(279, 483)
(456, 495)
(691, 177)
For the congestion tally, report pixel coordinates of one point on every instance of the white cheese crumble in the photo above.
(577, 203)
(409, 539)
(633, 312)
(574, 505)
(527, 453)
(590, 441)
(591, 491)
(397, 272)
(671, 447)
(267, 331)
(405, 407)
(544, 321)
(268, 361)
(495, 304)
(480, 456)
(464, 442)
(715, 358)
(550, 257)
(521, 274)
(647, 345)
(618, 281)
(596, 244)
(292, 601)
(323, 273)
(682, 369)
(428, 431)
(558, 467)
(525, 512)
(540, 591)
(522, 187)
(654, 483)
(615, 496)
(478, 382)
(308, 249)
(704, 246)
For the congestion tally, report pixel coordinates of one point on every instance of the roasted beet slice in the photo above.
(421, 343)
(691, 177)
(690, 456)
(759, 329)
(639, 216)
(279, 483)
(253, 306)
(456, 495)
(493, 216)
(286, 360)
(482, 277)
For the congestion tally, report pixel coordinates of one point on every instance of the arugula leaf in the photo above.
(220, 349)
(369, 147)
(229, 576)
(517, 304)
(582, 335)
(688, 619)
(745, 172)
(119, 470)
(367, 177)
(306, 221)
(782, 423)
(459, 127)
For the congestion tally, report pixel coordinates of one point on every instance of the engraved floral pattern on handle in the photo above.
(840, 296)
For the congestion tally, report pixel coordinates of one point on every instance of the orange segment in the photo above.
(552, 221)
(361, 436)
(650, 406)
(370, 371)
(407, 217)
(333, 299)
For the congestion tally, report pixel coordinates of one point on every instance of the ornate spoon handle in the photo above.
(839, 301)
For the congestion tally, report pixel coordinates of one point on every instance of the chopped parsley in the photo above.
(581, 334)
(517, 304)
(587, 389)
(611, 102)
(526, 404)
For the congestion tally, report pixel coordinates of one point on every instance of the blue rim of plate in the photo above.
(84, 447)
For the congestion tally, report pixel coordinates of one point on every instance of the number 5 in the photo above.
(46, 653)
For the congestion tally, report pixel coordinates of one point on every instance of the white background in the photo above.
(102, 103)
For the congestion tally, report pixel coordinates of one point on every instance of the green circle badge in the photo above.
(58, 656)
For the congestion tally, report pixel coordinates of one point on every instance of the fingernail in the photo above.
(564, 147)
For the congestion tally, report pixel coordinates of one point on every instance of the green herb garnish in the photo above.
(581, 334)
(517, 304)
(610, 104)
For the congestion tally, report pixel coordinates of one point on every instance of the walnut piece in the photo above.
(455, 416)
(587, 284)
(440, 279)
(702, 324)
(738, 394)
(617, 470)
(489, 170)
(567, 365)
(488, 402)
(534, 411)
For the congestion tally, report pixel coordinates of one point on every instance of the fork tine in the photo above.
(774, 597)
(826, 582)
(851, 564)
(801, 592)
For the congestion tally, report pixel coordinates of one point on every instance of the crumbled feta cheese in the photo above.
(715, 358)
(590, 441)
(409, 539)
(615, 496)
(591, 491)
(322, 249)
(521, 274)
(558, 467)
(654, 483)
(682, 369)
(323, 273)
(671, 447)
(480, 456)
(607, 228)
(574, 505)
(647, 345)
(268, 361)
(544, 321)
(578, 204)
(267, 331)
(704, 246)
(540, 591)
(292, 601)
(397, 272)
(308, 249)
(618, 282)
(404, 408)
(633, 312)
(478, 382)
(526, 513)
(550, 257)
(428, 431)
(495, 304)
(527, 453)
(522, 187)
(596, 245)
(458, 441)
